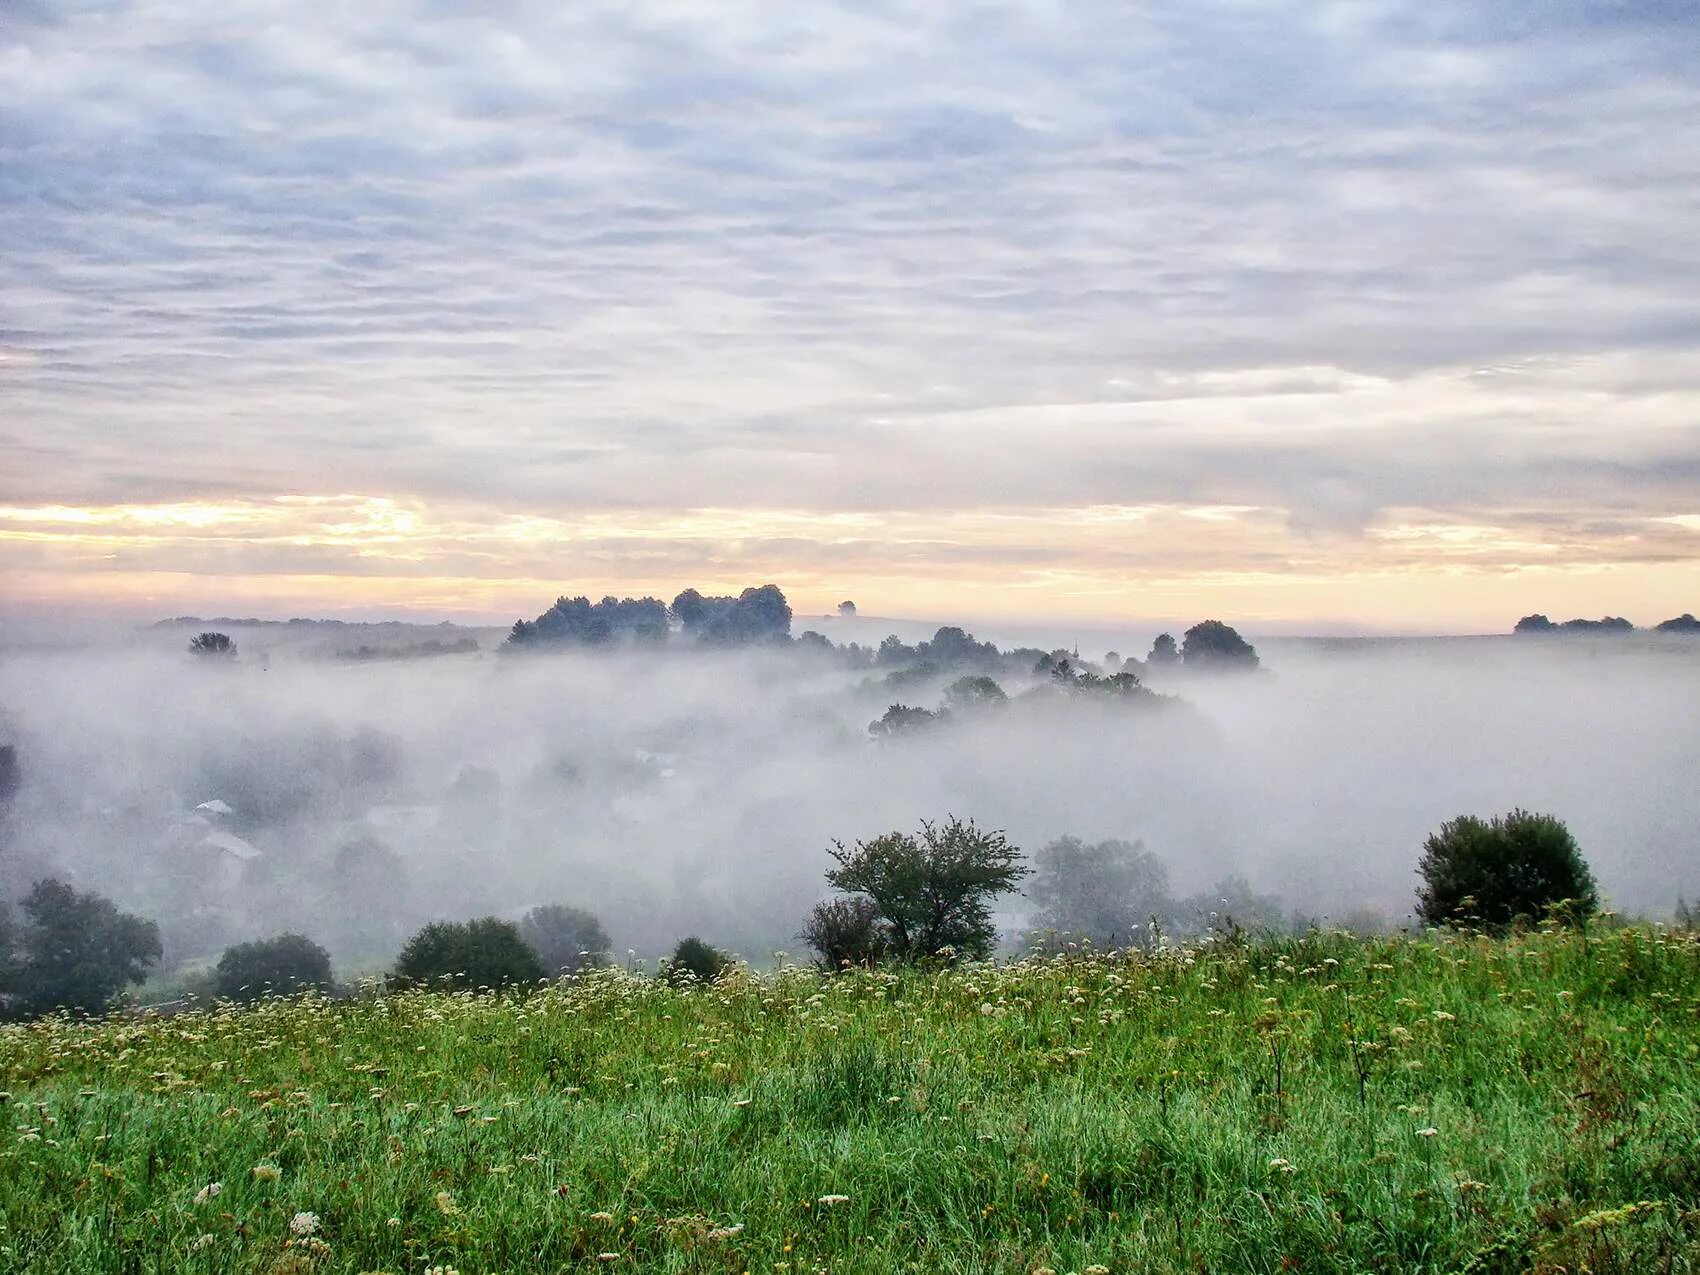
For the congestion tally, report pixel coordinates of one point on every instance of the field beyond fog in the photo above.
(1315, 1104)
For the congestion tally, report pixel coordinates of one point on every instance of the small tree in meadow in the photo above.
(488, 952)
(846, 932)
(75, 951)
(1497, 871)
(1106, 891)
(281, 966)
(933, 891)
(695, 960)
(565, 939)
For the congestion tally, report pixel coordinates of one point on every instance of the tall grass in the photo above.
(1316, 1104)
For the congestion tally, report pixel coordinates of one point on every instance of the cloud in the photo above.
(1335, 261)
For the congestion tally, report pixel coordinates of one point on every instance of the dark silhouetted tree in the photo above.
(934, 891)
(565, 939)
(488, 952)
(1105, 891)
(11, 774)
(1534, 624)
(846, 932)
(1684, 623)
(900, 719)
(76, 951)
(281, 966)
(1164, 651)
(212, 646)
(1214, 645)
(695, 961)
(577, 622)
(1497, 871)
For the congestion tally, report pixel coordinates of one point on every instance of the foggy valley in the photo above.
(305, 786)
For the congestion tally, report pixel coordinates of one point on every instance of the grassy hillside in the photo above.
(1324, 1104)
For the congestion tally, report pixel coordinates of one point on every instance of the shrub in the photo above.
(933, 891)
(214, 646)
(565, 939)
(488, 952)
(75, 951)
(1513, 866)
(846, 932)
(281, 966)
(695, 960)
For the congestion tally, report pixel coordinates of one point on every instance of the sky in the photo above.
(1308, 316)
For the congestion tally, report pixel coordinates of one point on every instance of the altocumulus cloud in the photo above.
(1409, 285)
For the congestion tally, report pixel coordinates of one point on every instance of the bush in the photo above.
(565, 939)
(74, 951)
(281, 966)
(695, 960)
(846, 932)
(486, 953)
(214, 646)
(1494, 873)
(933, 891)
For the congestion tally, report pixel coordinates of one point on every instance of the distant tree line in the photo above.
(920, 897)
(756, 616)
(1608, 625)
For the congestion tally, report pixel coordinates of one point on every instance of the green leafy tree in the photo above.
(694, 960)
(1105, 891)
(77, 951)
(281, 966)
(565, 939)
(487, 952)
(1497, 871)
(846, 932)
(933, 891)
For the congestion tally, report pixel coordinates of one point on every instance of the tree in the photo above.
(11, 774)
(1228, 906)
(76, 951)
(212, 646)
(900, 719)
(968, 693)
(1498, 871)
(933, 891)
(1684, 623)
(486, 953)
(1215, 645)
(281, 966)
(1534, 624)
(846, 932)
(695, 961)
(565, 939)
(1106, 891)
(847, 610)
(578, 622)
(1164, 651)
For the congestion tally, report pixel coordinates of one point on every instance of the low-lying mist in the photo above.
(693, 791)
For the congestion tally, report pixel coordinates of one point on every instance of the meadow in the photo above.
(1321, 1103)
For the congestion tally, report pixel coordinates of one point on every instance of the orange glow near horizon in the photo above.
(348, 553)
